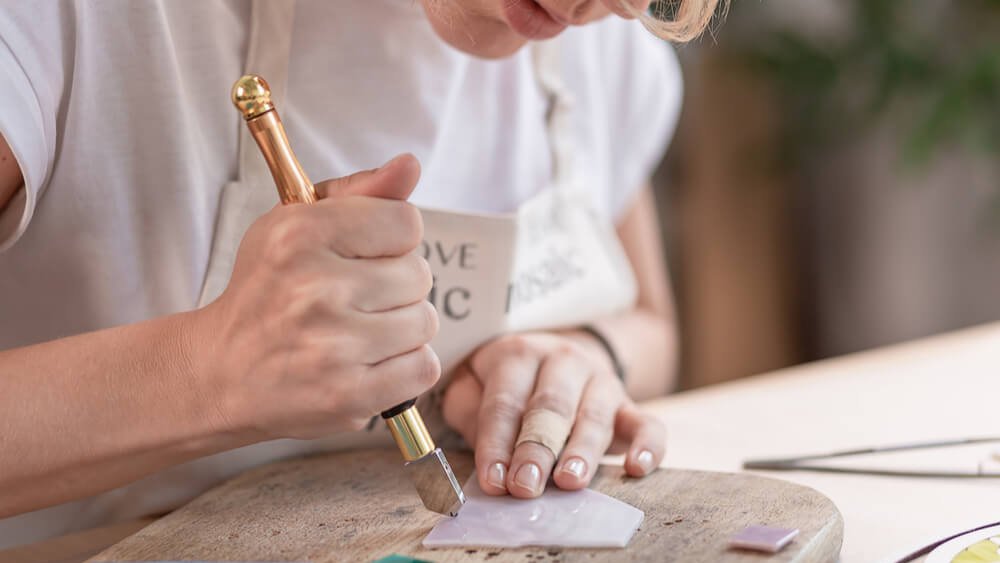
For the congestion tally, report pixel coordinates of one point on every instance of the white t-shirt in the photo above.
(119, 116)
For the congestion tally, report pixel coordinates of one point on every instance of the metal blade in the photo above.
(436, 483)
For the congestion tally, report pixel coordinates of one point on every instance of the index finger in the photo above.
(366, 227)
(395, 179)
(505, 396)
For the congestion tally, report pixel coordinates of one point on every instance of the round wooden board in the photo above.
(359, 506)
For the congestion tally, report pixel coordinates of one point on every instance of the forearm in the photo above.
(646, 345)
(87, 413)
(644, 338)
(323, 323)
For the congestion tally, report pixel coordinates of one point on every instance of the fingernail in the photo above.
(529, 477)
(496, 475)
(576, 467)
(645, 461)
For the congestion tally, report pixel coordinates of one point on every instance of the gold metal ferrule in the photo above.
(410, 434)
(252, 96)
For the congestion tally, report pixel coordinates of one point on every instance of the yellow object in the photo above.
(986, 551)
(252, 96)
(410, 433)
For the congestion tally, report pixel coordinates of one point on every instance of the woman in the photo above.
(155, 341)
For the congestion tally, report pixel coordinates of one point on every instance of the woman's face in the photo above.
(496, 28)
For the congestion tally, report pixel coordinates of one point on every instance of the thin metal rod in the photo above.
(796, 463)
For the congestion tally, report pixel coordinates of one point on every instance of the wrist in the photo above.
(596, 347)
(198, 368)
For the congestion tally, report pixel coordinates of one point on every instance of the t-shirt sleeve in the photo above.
(32, 57)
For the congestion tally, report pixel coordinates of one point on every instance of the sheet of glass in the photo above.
(556, 519)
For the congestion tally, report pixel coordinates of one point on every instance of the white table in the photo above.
(942, 387)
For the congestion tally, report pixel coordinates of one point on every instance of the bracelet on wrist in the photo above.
(616, 364)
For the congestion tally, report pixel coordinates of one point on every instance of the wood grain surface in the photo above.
(358, 506)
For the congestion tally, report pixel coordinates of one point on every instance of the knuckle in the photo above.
(285, 239)
(408, 224)
(429, 321)
(594, 415)
(552, 400)
(362, 226)
(304, 295)
(343, 404)
(343, 350)
(322, 357)
(567, 348)
(337, 296)
(337, 350)
(423, 275)
(479, 361)
(315, 299)
(429, 367)
(300, 302)
(313, 357)
(504, 405)
(505, 348)
(516, 345)
(609, 387)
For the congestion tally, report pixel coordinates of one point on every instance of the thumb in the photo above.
(393, 180)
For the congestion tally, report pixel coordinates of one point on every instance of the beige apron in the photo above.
(553, 263)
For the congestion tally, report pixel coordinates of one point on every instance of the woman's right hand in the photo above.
(325, 320)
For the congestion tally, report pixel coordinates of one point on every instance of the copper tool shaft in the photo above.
(252, 96)
(425, 463)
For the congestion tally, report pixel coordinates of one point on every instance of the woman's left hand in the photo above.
(565, 375)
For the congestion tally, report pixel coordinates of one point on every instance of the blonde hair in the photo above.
(677, 20)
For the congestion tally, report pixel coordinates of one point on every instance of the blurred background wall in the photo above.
(835, 181)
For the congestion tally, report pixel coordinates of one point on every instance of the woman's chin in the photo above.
(486, 38)
(497, 48)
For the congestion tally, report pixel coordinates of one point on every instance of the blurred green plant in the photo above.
(934, 66)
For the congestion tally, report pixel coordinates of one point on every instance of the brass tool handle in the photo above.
(252, 97)
(408, 430)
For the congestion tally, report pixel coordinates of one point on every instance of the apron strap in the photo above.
(269, 43)
(548, 74)
(269, 48)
